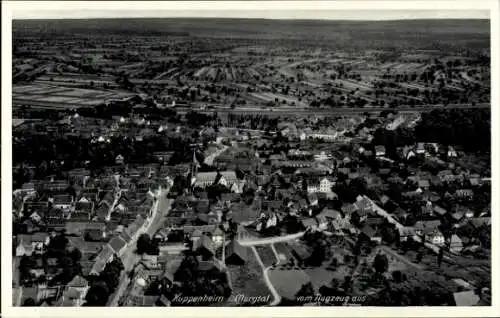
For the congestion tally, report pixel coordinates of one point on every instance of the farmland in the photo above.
(43, 95)
(271, 65)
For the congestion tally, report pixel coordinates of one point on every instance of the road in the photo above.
(209, 160)
(271, 240)
(130, 258)
(113, 205)
(267, 280)
(257, 110)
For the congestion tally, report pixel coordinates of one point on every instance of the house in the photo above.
(464, 194)
(150, 262)
(312, 187)
(379, 151)
(309, 223)
(62, 202)
(243, 214)
(225, 178)
(435, 237)
(423, 184)
(39, 241)
(205, 247)
(236, 254)
(439, 210)
(118, 245)
(71, 298)
(420, 149)
(322, 222)
(238, 186)
(119, 160)
(85, 207)
(456, 244)
(458, 215)
(451, 152)
(425, 227)
(370, 234)
(218, 237)
(384, 200)
(24, 247)
(28, 188)
(405, 233)
(367, 153)
(348, 209)
(312, 198)
(95, 235)
(326, 184)
(330, 214)
(480, 221)
(79, 283)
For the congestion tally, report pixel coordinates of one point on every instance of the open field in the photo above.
(41, 95)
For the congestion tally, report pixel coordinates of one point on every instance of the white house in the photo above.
(325, 185)
(379, 151)
(456, 244)
(321, 156)
(435, 237)
(218, 237)
(204, 179)
(451, 152)
(312, 187)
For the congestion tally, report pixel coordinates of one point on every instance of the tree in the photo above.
(381, 263)
(58, 243)
(75, 255)
(397, 276)
(347, 284)
(143, 243)
(389, 233)
(440, 256)
(97, 294)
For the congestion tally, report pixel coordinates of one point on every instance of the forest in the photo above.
(469, 128)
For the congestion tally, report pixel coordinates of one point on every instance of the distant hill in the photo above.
(467, 33)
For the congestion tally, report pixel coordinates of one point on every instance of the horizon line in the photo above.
(255, 18)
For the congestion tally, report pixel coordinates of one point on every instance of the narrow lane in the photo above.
(267, 280)
(130, 258)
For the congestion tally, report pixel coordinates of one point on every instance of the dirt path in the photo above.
(267, 280)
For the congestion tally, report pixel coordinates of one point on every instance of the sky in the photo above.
(325, 10)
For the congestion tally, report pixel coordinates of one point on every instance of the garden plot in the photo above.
(266, 255)
(247, 280)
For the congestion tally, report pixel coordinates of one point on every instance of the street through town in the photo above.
(130, 258)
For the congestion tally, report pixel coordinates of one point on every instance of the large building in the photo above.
(205, 179)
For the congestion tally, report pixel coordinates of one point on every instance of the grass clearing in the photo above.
(247, 280)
